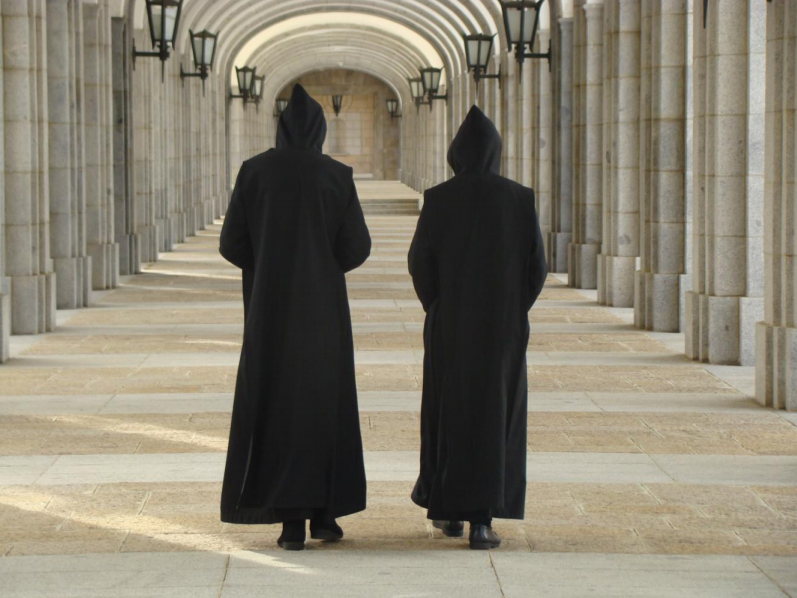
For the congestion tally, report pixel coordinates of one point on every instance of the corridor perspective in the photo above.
(114, 429)
(659, 137)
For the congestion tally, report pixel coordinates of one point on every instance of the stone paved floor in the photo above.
(649, 475)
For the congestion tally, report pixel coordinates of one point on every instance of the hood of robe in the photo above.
(477, 146)
(302, 123)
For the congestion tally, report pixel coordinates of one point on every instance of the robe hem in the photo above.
(267, 516)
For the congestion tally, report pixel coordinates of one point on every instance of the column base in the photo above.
(557, 260)
(166, 239)
(69, 290)
(104, 265)
(616, 280)
(148, 236)
(33, 303)
(129, 254)
(5, 319)
(657, 301)
(776, 366)
(721, 330)
(583, 265)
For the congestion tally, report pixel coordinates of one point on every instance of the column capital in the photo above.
(593, 9)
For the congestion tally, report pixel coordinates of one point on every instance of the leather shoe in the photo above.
(450, 529)
(482, 537)
(293, 535)
(328, 531)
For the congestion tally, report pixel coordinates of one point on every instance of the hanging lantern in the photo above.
(392, 108)
(337, 104)
(478, 52)
(164, 18)
(521, 21)
(203, 45)
(246, 83)
(430, 79)
(416, 91)
(279, 107)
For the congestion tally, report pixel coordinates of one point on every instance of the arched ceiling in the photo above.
(389, 39)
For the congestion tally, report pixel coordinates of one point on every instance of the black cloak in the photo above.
(477, 262)
(295, 226)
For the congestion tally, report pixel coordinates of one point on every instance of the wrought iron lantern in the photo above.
(246, 81)
(164, 20)
(203, 45)
(392, 108)
(279, 107)
(337, 104)
(521, 21)
(416, 91)
(478, 51)
(430, 79)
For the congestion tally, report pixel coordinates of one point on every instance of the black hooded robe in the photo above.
(295, 226)
(477, 262)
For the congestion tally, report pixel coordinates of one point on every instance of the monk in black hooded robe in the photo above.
(478, 265)
(295, 227)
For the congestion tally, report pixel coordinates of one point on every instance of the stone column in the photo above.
(583, 251)
(544, 142)
(123, 152)
(64, 212)
(562, 198)
(776, 335)
(5, 282)
(663, 258)
(27, 262)
(511, 120)
(142, 121)
(617, 262)
(99, 184)
(727, 276)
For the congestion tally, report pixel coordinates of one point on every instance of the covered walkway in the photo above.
(649, 474)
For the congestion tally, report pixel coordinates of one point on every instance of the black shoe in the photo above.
(482, 537)
(326, 530)
(450, 529)
(293, 535)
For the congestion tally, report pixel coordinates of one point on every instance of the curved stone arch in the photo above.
(284, 56)
(322, 37)
(254, 17)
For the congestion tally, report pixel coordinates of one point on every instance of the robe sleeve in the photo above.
(538, 265)
(422, 262)
(353, 242)
(236, 244)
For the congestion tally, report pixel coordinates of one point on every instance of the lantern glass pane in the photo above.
(241, 74)
(427, 80)
(210, 48)
(282, 104)
(485, 52)
(197, 44)
(248, 78)
(435, 80)
(258, 86)
(472, 52)
(415, 89)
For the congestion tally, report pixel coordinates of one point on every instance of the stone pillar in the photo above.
(511, 121)
(123, 152)
(727, 276)
(664, 152)
(776, 335)
(583, 251)
(5, 282)
(144, 197)
(617, 262)
(99, 183)
(68, 253)
(27, 261)
(562, 198)
(544, 142)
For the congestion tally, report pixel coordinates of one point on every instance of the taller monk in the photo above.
(295, 227)
(478, 265)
